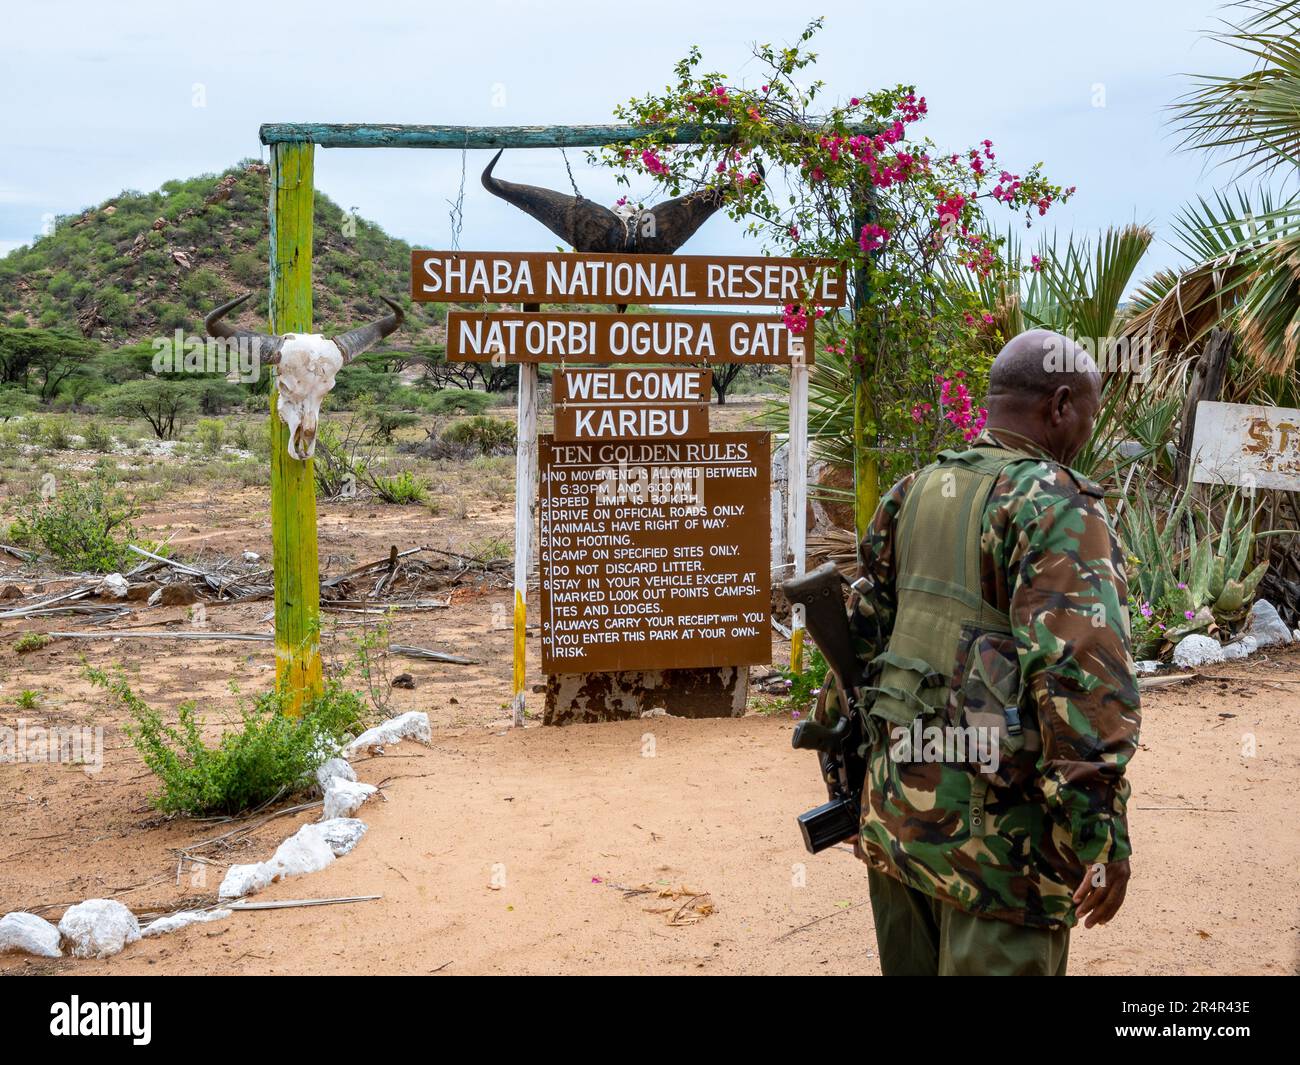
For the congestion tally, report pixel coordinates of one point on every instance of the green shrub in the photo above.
(459, 401)
(403, 488)
(269, 755)
(97, 438)
(30, 641)
(491, 549)
(55, 435)
(805, 685)
(243, 436)
(85, 526)
(27, 699)
(211, 434)
(481, 433)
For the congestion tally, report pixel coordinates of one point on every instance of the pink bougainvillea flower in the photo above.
(873, 237)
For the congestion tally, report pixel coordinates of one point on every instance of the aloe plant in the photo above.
(1206, 581)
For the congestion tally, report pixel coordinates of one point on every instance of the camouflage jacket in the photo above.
(1049, 559)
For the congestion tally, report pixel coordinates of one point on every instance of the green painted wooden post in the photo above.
(293, 483)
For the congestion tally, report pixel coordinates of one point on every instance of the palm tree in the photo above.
(1244, 271)
(1078, 289)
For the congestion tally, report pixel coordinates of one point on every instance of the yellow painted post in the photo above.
(797, 489)
(293, 483)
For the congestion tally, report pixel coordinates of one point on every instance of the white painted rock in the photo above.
(332, 768)
(1266, 626)
(98, 928)
(173, 922)
(113, 586)
(25, 933)
(343, 798)
(1147, 666)
(251, 556)
(1197, 650)
(413, 725)
(342, 834)
(1239, 649)
(306, 851)
(241, 880)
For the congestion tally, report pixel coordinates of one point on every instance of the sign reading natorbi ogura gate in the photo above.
(654, 545)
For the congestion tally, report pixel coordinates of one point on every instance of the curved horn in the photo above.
(585, 225)
(677, 220)
(357, 341)
(267, 348)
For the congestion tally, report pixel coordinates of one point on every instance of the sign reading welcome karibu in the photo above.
(628, 403)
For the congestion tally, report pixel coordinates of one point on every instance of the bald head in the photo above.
(1046, 388)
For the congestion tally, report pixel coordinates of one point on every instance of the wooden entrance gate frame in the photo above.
(293, 489)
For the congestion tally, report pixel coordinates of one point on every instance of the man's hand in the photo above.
(1101, 893)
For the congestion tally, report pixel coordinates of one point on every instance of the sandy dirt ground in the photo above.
(653, 846)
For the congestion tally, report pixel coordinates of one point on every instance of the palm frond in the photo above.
(1252, 119)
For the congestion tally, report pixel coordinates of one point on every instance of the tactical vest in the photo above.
(942, 619)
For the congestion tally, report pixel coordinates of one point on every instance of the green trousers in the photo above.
(920, 936)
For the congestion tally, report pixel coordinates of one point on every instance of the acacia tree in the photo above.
(852, 182)
(163, 403)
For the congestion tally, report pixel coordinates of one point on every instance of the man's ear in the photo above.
(1061, 399)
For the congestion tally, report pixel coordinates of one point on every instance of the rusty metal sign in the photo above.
(654, 554)
(1247, 445)
(608, 403)
(566, 277)
(605, 337)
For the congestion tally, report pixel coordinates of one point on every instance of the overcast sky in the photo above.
(98, 97)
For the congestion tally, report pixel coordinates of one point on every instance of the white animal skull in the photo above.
(307, 364)
(306, 371)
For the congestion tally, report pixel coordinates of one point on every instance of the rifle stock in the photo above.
(839, 747)
(821, 595)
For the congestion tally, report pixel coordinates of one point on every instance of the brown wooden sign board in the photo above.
(654, 554)
(567, 277)
(605, 337)
(614, 403)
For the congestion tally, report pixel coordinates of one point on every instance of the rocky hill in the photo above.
(143, 264)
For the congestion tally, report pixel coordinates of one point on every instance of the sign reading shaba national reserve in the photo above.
(654, 555)
(562, 277)
(1248, 445)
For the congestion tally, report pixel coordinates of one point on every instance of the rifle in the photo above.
(843, 766)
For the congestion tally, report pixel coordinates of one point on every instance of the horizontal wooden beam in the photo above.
(365, 135)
